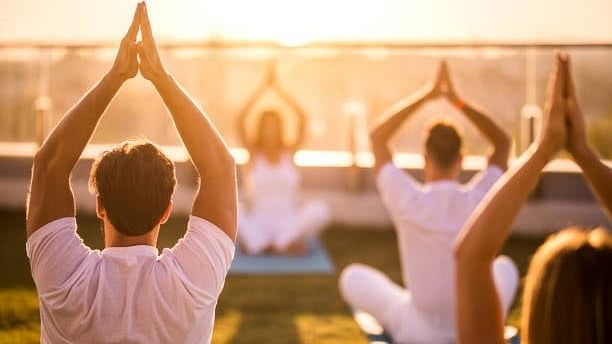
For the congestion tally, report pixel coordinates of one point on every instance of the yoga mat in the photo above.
(316, 261)
(376, 334)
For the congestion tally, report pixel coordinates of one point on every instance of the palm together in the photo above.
(442, 86)
(564, 125)
(143, 55)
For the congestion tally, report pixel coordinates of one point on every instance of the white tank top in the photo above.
(273, 188)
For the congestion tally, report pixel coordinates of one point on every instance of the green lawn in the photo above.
(291, 309)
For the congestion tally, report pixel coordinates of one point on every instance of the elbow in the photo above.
(227, 160)
(464, 249)
(42, 161)
(470, 254)
(459, 251)
(504, 142)
(376, 137)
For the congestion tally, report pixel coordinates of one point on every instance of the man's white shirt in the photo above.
(428, 218)
(128, 294)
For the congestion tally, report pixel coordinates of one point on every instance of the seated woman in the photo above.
(273, 221)
(568, 288)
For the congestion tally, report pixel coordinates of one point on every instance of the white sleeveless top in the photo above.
(273, 188)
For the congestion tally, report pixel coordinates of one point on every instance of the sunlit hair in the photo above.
(568, 289)
(134, 182)
(266, 118)
(443, 144)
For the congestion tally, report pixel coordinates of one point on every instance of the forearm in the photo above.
(301, 117)
(480, 319)
(396, 115)
(50, 196)
(486, 230)
(491, 131)
(598, 175)
(241, 121)
(205, 145)
(66, 142)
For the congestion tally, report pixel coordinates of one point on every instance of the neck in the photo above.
(436, 176)
(114, 238)
(272, 154)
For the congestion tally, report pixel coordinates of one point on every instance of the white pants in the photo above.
(367, 289)
(257, 233)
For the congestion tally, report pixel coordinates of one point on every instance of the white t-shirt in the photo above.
(128, 294)
(427, 219)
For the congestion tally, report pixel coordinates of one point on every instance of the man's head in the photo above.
(133, 184)
(443, 155)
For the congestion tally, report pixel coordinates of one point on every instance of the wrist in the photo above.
(581, 152)
(162, 79)
(458, 103)
(114, 78)
(544, 148)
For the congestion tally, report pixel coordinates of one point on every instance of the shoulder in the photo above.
(66, 225)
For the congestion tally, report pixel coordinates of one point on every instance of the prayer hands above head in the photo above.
(126, 62)
(553, 135)
(447, 89)
(442, 86)
(576, 128)
(270, 79)
(150, 66)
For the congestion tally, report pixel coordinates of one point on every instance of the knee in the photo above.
(319, 210)
(505, 269)
(506, 265)
(350, 278)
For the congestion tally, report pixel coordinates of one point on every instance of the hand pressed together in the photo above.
(134, 56)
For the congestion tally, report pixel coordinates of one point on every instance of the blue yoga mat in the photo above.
(376, 333)
(316, 261)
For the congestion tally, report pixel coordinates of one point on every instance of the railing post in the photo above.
(531, 113)
(43, 103)
(356, 113)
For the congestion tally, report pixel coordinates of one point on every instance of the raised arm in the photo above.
(493, 133)
(302, 119)
(216, 197)
(597, 173)
(393, 119)
(241, 121)
(480, 318)
(50, 196)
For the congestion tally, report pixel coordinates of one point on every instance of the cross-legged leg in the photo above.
(506, 276)
(252, 236)
(310, 220)
(367, 289)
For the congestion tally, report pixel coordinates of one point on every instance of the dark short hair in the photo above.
(443, 144)
(134, 182)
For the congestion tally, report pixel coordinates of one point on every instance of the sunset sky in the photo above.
(295, 22)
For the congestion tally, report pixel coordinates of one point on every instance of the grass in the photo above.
(287, 309)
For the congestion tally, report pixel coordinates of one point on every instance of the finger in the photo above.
(570, 88)
(140, 49)
(444, 68)
(553, 78)
(133, 30)
(561, 76)
(132, 48)
(145, 25)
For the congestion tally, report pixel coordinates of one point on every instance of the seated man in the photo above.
(427, 219)
(127, 293)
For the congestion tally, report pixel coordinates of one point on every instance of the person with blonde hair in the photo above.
(568, 288)
(272, 219)
(427, 219)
